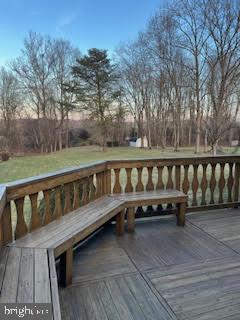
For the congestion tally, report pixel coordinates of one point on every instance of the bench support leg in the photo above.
(131, 219)
(120, 223)
(181, 214)
(66, 263)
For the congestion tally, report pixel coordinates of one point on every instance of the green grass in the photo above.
(27, 166)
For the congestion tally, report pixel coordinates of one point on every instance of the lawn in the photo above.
(23, 167)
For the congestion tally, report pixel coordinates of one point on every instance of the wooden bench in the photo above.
(29, 276)
(62, 234)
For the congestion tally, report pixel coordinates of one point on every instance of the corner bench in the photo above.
(57, 239)
(62, 234)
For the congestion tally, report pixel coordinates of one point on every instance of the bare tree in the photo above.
(10, 104)
(34, 69)
(64, 57)
(191, 37)
(138, 83)
(223, 24)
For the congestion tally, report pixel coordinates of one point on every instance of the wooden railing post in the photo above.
(236, 183)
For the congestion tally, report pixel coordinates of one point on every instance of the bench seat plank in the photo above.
(10, 280)
(41, 280)
(134, 199)
(26, 274)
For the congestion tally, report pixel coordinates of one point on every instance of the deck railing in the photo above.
(26, 205)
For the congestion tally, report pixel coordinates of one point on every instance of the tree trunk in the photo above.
(205, 142)
(214, 148)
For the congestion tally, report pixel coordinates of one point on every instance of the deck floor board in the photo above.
(159, 272)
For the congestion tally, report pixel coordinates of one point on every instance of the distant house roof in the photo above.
(133, 139)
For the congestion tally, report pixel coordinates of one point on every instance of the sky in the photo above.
(101, 24)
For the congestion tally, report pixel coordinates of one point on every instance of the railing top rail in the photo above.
(3, 192)
(125, 163)
(50, 180)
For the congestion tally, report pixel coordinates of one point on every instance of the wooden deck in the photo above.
(159, 272)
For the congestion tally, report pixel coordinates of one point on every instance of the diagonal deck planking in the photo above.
(159, 272)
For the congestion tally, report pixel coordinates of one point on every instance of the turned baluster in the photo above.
(35, 220)
(169, 183)
(185, 184)
(236, 183)
(204, 184)
(117, 186)
(76, 198)
(178, 177)
(21, 227)
(170, 180)
(230, 182)
(129, 187)
(212, 183)
(47, 207)
(195, 185)
(92, 189)
(221, 184)
(58, 202)
(139, 186)
(85, 191)
(150, 185)
(67, 203)
(160, 186)
(99, 184)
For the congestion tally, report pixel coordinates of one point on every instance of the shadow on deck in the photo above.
(159, 272)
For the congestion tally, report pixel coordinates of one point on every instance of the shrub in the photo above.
(4, 156)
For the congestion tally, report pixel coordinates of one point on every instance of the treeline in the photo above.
(185, 65)
(178, 82)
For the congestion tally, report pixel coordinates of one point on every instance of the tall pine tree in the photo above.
(95, 80)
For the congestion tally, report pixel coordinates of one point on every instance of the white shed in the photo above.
(137, 142)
